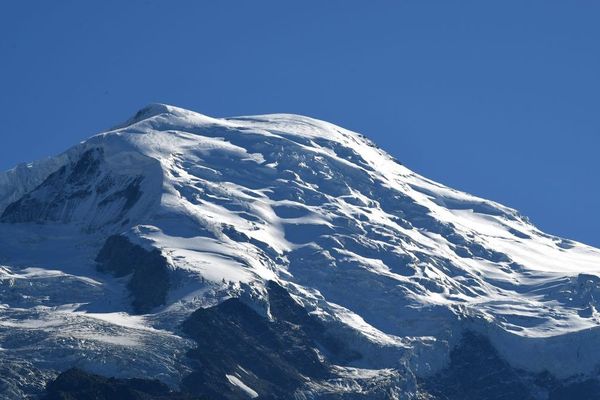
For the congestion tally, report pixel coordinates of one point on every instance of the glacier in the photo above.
(109, 249)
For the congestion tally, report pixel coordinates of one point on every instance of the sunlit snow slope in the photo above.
(396, 265)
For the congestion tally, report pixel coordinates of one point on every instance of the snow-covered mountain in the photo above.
(281, 256)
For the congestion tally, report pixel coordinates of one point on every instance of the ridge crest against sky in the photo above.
(499, 100)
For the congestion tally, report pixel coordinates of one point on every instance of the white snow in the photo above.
(235, 381)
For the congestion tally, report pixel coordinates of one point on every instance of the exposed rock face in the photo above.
(284, 308)
(74, 190)
(476, 371)
(274, 358)
(76, 384)
(149, 282)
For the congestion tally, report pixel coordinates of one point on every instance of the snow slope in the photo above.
(397, 265)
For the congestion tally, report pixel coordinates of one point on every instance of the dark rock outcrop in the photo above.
(149, 282)
(272, 357)
(284, 308)
(68, 194)
(75, 384)
(477, 372)
(51, 200)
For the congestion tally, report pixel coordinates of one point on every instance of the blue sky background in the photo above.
(500, 99)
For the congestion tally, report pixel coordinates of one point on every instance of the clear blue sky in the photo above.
(501, 99)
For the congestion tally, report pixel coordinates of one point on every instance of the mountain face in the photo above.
(277, 257)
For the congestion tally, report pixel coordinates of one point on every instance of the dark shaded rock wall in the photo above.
(70, 192)
(149, 282)
(477, 372)
(273, 357)
(75, 384)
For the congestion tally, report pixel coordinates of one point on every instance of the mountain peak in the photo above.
(149, 111)
(180, 210)
(154, 110)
